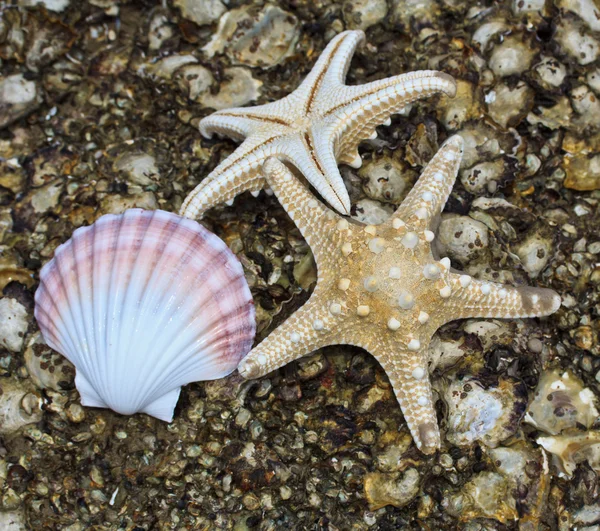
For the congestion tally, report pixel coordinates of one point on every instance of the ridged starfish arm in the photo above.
(305, 331)
(358, 110)
(330, 184)
(237, 173)
(241, 122)
(308, 213)
(429, 195)
(477, 298)
(332, 66)
(409, 376)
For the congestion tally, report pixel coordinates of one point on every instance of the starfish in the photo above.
(381, 288)
(314, 128)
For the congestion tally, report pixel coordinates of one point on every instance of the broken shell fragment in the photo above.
(143, 303)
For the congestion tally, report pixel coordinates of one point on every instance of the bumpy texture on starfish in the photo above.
(380, 288)
(316, 127)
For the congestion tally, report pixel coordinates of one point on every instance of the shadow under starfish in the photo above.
(380, 288)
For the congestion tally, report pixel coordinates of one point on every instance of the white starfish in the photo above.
(381, 288)
(314, 128)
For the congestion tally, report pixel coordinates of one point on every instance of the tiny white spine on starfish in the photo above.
(363, 310)
(377, 245)
(410, 240)
(393, 324)
(344, 284)
(398, 223)
(335, 308)
(395, 272)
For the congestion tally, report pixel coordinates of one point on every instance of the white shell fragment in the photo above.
(143, 303)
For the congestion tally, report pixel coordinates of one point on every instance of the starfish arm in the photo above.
(305, 331)
(300, 151)
(240, 122)
(476, 298)
(331, 185)
(331, 67)
(236, 174)
(315, 221)
(429, 195)
(360, 109)
(409, 377)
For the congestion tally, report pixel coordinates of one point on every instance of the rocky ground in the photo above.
(99, 106)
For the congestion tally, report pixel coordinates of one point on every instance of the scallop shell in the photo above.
(143, 303)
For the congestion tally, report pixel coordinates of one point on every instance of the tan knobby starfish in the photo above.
(314, 128)
(380, 288)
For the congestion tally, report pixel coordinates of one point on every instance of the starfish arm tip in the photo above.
(428, 441)
(539, 302)
(455, 142)
(249, 369)
(450, 85)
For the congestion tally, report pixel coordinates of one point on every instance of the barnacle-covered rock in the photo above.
(362, 15)
(166, 67)
(586, 106)
(52, 5)
(513, 56)
(490, 332)
(534, 251)
(14, 321)
(18, 97)
(487, 495)
(549, 72)
(139, 167)
(255, 37)
(391, 489)
(117, 204)
(576, 41)
(484, 142)
(237, 89)
(390, 448)
(443, 354)
(371, 212)
(582, 162)
(561, 402)
(201, 11)
(568, 450)
(13, 521)
(466, 105)
(47, 369)
(19, 405)
(11, 263)
(587, 10)
(559, 115)
(485, 176)
(386, 179)
(508, 104)
(461, 238)
(483, 37)
(483, 411)
(159, 31)
(408, 11)
(526, 470)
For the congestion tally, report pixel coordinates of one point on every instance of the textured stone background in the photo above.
(99, 106)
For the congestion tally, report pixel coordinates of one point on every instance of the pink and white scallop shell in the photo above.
(143, 303)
